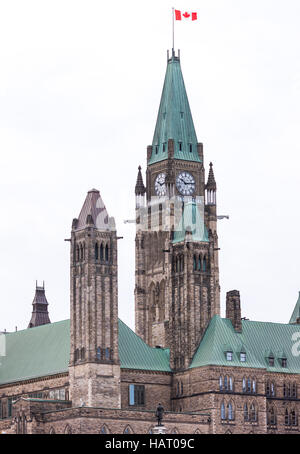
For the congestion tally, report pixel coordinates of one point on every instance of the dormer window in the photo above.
(164, 146)
(156, 149)
(283, 362)
(180, 146)
(271, 361)
(243, 357)
(229, 356)
(191, 148)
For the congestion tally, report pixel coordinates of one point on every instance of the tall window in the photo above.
(246, 413)
(230, 412)
(101, 252)
(221, 384)
(253, 412)
(98, 353)
(286, 417)
(204, 264)
(106, 253)
(223, 413)
(96, 251)
(136, 395)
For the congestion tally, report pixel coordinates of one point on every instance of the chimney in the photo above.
(233, 309)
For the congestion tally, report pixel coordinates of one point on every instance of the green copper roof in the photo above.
(296, 312)
(36, 352)
(136, 354)
(45, 350)
(174, 120)
(193, 221)
(256, 338)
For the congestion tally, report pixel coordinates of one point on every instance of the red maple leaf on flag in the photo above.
(186, 15)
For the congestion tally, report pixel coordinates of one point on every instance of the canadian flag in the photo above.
(179, 15)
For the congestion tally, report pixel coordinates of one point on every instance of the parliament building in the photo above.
(93, 374)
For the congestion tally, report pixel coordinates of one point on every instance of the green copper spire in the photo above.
(296, 313)
(174, 120)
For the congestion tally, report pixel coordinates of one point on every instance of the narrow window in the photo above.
(293, 418)
(191, 148)
(285, 390)
(225, 383)
(271, 361)
(284, 362)
(223, 414)
(101, 252)
(107, 353)
(204, 264)
(98, 353)
(9, 407)
(195, 263)
(252, 413)
(106, 253)
(272, 389)
(96, 251)
(286, 417)
(246, 414)
(230, 412)
(164, 146)
(199, 263)
(156, 149)
(254, 386)
(180, 146)
(244, 385)
(131, 395)
(249, 385)
(230, 383)
(268, 388)
(221, 384)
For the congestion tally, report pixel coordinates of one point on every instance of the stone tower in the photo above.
(177, 275)
(94, 360)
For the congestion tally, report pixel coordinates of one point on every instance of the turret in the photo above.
(40, 315)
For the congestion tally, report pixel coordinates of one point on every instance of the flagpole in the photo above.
(173, 29)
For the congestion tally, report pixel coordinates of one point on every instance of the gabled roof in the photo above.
(257, 338)
(45, 350)
(296, 312)
(192, 220)
(174, 119)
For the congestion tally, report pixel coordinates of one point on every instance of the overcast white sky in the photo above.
(80, 84)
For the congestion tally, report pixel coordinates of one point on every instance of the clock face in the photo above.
(185, 183)
(160, 184)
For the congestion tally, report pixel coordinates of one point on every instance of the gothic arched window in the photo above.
(199, 263)
(230, 411)
(294, 418)
(223, 413)
(195, 262)
(286, 417)
(252, 413)
(96, 251)
(246, 413)
(106, 253)
(104, 430)
(204, 264)
(107, 353)
(101, 252)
